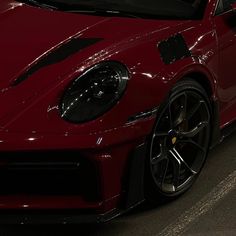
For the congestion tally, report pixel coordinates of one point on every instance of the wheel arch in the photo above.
(210, 88)
(135, 192)
(203, 80)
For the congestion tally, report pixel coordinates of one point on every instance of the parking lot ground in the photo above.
(221, 220)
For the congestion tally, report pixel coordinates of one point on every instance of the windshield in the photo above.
(189, 9)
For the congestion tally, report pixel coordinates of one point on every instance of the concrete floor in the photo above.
(209, 208)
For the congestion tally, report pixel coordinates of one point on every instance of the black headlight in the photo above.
(94, 92)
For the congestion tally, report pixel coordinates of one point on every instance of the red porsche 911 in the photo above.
(106, 103)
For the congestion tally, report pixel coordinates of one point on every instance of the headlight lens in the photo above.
(94, 92)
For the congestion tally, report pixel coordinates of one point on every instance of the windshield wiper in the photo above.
(79, 8)
(101, 12)
(40, 4)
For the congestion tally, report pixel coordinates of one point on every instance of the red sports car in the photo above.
(106, 103)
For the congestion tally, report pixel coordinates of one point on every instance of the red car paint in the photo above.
(29, 114)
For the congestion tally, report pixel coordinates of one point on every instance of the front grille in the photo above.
(48, 173)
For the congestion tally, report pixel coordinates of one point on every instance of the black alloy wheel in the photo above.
(179, 142)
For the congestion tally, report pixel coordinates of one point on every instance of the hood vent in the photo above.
(57, 55)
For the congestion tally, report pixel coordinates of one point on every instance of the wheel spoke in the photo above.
(161, 156)
(183, 111)
(180, 119)
(157, 159)
(190, 141)
(194, 109)
(181, 159)
(176, 167)
(163, 172)
(193, 132)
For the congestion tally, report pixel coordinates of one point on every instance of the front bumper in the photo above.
(109, 168)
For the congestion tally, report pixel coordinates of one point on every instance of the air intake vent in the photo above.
(48, 173)
(173, 49)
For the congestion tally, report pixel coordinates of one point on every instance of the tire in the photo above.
(179, 143)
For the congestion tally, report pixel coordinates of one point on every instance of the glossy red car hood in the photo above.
(29, 32)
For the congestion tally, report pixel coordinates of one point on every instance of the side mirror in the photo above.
(233, 5)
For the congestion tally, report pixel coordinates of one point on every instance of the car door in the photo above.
(225, 23)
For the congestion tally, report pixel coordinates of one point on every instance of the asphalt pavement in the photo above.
(209, 208)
